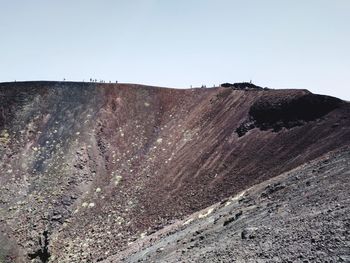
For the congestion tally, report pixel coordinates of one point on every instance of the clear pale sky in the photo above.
(274, 43)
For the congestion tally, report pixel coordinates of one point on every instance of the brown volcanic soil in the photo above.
(300, 216)
(87, 169)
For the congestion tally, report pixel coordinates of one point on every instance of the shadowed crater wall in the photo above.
(277, 113)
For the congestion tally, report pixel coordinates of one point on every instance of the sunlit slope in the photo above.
(89, 168)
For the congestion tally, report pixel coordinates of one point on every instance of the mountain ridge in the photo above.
(88, 168)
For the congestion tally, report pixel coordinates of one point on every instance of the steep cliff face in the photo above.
(87, 169)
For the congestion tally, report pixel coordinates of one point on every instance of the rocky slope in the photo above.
(299, 216)
(87, 169)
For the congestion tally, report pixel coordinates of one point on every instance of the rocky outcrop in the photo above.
(273, 113)
(242, 86)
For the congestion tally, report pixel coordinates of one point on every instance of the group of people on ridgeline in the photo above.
(95, 80)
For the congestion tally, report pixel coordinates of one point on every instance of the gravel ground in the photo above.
(299, 216)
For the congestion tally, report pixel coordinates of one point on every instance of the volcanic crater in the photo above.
(90, 170)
